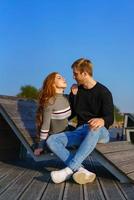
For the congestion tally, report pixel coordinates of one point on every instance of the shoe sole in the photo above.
(82, 178)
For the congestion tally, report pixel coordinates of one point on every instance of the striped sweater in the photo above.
(55, 116)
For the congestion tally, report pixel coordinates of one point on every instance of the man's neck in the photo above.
(89, 83)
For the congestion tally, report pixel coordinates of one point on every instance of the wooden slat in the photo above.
(107, 183)
(127, 189)
(119, 156)
(93, 190)
(14, 191)
(37, 187)
(131, 175)
(115, 146)
(126, 166)
(9, 179)
(73, 191)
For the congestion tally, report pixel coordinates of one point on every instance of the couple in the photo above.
(91, 102)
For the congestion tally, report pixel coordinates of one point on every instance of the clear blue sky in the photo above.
(38, 37)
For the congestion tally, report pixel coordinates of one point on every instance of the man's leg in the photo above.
(83, 176)
(87, 146)
(57, 145)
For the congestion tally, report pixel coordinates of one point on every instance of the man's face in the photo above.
(79, 77)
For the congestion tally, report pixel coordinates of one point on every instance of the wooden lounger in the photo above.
(117, 157)
(20, 115)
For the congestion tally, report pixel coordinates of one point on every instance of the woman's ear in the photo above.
(54, 85)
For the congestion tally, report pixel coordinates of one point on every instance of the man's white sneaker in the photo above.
(61, 175)
(83, 176)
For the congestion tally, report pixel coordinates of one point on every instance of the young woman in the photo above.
(53, 109)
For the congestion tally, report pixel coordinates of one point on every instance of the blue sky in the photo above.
(38, 37)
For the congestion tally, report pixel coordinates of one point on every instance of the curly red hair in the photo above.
(47, 91)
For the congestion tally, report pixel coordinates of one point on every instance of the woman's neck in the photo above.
(59, 90)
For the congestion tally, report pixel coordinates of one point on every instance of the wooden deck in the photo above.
(27, 180)
(19, 114)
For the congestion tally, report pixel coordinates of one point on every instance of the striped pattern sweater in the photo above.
(55, 116)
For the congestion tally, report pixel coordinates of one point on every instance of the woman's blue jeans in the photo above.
(82, 137)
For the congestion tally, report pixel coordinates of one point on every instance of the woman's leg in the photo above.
(58, 143)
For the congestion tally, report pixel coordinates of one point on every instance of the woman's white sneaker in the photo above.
(83, 176)
(61, 175)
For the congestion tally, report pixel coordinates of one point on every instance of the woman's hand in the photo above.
(74, 89)
(38, 151)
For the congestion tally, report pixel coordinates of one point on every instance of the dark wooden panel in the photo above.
(9, 154)
(8, 142)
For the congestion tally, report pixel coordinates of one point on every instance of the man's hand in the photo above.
(38, 151)
(96, 123)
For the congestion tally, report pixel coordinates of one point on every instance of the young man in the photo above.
(94, 109)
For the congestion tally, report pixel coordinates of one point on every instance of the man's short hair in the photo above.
(83, 65)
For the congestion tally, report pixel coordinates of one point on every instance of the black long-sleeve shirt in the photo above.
(96, 102)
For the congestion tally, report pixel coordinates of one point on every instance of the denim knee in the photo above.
(51, 140)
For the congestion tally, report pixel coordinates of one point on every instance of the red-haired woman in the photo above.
(53, 110)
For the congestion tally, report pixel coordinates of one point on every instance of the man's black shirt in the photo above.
(96, 102)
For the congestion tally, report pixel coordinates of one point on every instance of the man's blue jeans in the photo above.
(82, 137)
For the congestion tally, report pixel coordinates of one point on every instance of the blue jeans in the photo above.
(82, 137)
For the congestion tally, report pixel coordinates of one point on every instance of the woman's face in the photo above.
(60, 82)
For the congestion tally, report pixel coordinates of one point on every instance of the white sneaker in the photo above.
(61, 175)
(83, 176)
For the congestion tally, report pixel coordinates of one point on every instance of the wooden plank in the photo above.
(73, 191)
(9, 179)
(118, 157)
(126, 166)
(15, 128)
(53, 191)
(127, 190)
(115, 146)
(131, 175)
(92, 190)
(110, 166)
(18, 186)
(35, 190)
(4, 169)
(24, 124)
(107, 183)
(26, 110)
